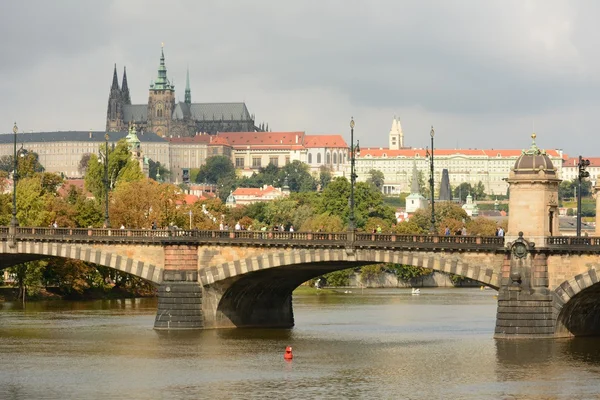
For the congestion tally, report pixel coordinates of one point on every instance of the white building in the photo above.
(570, 170)
(490, 166)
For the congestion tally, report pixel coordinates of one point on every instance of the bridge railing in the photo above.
(572, 242)
(251, 237)
(431, 240)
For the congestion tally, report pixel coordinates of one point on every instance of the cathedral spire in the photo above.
(161, 82)
(115, 82)
(188, 91)
(125, 88)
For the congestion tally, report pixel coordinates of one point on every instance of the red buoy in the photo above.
(288, 353)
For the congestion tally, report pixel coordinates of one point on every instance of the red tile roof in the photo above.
(572, 162)
(281, 140)
(410, 153)
(335, 141)
(256, 192)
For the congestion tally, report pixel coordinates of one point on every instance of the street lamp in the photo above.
(353, 150)
(582, 164)
(190, 220)
(432, 227)
(106, 187)
(13, 221)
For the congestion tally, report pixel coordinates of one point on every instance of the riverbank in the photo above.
(9, 293)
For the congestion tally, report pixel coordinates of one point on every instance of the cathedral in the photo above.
(168, 118)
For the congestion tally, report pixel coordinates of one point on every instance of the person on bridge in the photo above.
(463, 231)
(500, 231)
(447, 231)
(153, 225)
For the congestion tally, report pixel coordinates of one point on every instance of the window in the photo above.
(335, 158)
(328, 158)
(159, 110)
(239, 162)
(309, 158)
(318, 158)
(274, 161)
(287, 160)
(256, 162)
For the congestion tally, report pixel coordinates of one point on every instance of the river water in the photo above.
(371, 344)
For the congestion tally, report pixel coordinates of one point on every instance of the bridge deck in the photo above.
(254, 238)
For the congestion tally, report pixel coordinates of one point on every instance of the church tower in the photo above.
(125, 89)
(161, 101)
(396, 135)
(188, 91)
(114, 114)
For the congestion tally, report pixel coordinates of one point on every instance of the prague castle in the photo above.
(168, 118)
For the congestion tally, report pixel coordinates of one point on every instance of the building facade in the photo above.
(192, 152)
(61, 152)
(570, 169)
(165, 117)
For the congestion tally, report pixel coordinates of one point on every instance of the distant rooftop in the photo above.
(75, 136)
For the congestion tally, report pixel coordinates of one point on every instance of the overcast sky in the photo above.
(484, 73)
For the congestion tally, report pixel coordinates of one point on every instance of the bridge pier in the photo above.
(180, 293)
(526, 307)
(179, 302)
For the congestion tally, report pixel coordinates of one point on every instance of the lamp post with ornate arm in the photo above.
(353, 151)
(13, 221)
(582, 164)
(432, 227)
(106, 186)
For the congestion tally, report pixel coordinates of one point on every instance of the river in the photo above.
(371, 344)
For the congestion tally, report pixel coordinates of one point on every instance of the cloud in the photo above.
(481, 72)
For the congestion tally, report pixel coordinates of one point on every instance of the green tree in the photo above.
(216, 170)
(376, 178)
(280, 212)
(121, 168)
(156, 166)
(33, 202)
(298, 177)
(462, 191)
(324, 176)
(339, 278)
(479, 191)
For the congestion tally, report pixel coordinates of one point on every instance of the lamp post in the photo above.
(190, 220)
(582, 164)
(106, 187)
(353, 150)
(432, 227)
(13, 221)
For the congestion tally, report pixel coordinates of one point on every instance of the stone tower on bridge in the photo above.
(526, 305)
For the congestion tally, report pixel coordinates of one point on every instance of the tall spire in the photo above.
(188, 91)
(125, 88)
(161, 82)
(115, 82)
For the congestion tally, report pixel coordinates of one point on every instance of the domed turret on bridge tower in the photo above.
(533, 201)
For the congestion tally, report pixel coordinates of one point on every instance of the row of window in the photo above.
(341, 159)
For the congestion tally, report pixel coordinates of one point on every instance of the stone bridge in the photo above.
(215, 279)
(547, 283)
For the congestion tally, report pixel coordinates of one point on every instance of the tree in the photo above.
(479, 191)
(368, 202)
(462, 191)
(121, 168)
(298, 177)
(215, 170)
(137, 204)
(376, 178)
(324, 176)
(323, 222)
(156, 166)
(83, 163)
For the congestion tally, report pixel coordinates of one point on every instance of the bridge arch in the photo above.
(29, 251)
(577, 303)
(257, 291)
